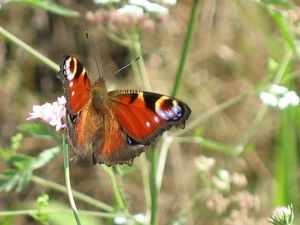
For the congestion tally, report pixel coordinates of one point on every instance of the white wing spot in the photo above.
(73, 93)
(71, 84)
(148, 124)
(156, 119)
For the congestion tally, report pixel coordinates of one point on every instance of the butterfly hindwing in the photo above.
(115, 146)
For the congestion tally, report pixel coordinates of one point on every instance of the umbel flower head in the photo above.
(279, 96)
(51, 113)
(282, 215)
(143, 13)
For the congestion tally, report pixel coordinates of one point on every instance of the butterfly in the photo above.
(118, 125)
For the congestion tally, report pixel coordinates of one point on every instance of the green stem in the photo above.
(153, 187)
(77, 195)
(29, 49)
(140, 73)
(59, 211)
(116, 189)
(187, 43)
(146, 183)
(141, 63)
(230, 102)
(67, 179)
(263, 110)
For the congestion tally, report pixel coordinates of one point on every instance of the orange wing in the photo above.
(115, 146)
(76, 84)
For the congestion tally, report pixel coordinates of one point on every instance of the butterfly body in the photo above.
(118, 125)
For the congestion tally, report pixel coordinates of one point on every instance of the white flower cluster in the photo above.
(282, 215)
(122, 220)
(50, 113)
(138, 7)
(203, 163)
(279, 96)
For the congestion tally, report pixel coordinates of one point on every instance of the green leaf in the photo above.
(280, 3)
(21, 168)
(19, 161)
(16, 141)
(42, 203)
(50, 6)
(37, 129)
(44, 157)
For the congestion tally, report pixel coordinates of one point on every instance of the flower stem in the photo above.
(77, 195)
(59, 211)
(29, 49)
(67, 179)
(187, 43)
(120, 202)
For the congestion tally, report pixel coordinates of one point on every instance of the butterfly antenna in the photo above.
(124, 67)
(94, 55)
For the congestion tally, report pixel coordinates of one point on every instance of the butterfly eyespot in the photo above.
(73, 118)
(131, 141)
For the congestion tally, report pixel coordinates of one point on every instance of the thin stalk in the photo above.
(68, 180)
(140, 72)
(186, 46)
(12, 38)
(263, 110)
(137, 48)
(120, 202)
(137, 51)
(77, 194)
(205, 143)
(162, 160)
(226, 104)
(59, 211)
(153, 187)
(116, 38)
(157, 170)
(146, 183)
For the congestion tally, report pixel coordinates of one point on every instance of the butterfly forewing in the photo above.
(77, 84)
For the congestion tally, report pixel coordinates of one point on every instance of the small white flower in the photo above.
(290, 98)
(140, 218)
(204, 163)
(278, 89)
(169, 2)
(282, 215)
(104, 2)
(238, 180)
(131, 10)
(51, 113)
(120, 220)
(150, 7)
(279, 96)
(268, 99)
(222, 180)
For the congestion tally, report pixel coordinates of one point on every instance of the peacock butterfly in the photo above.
(118, 125)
